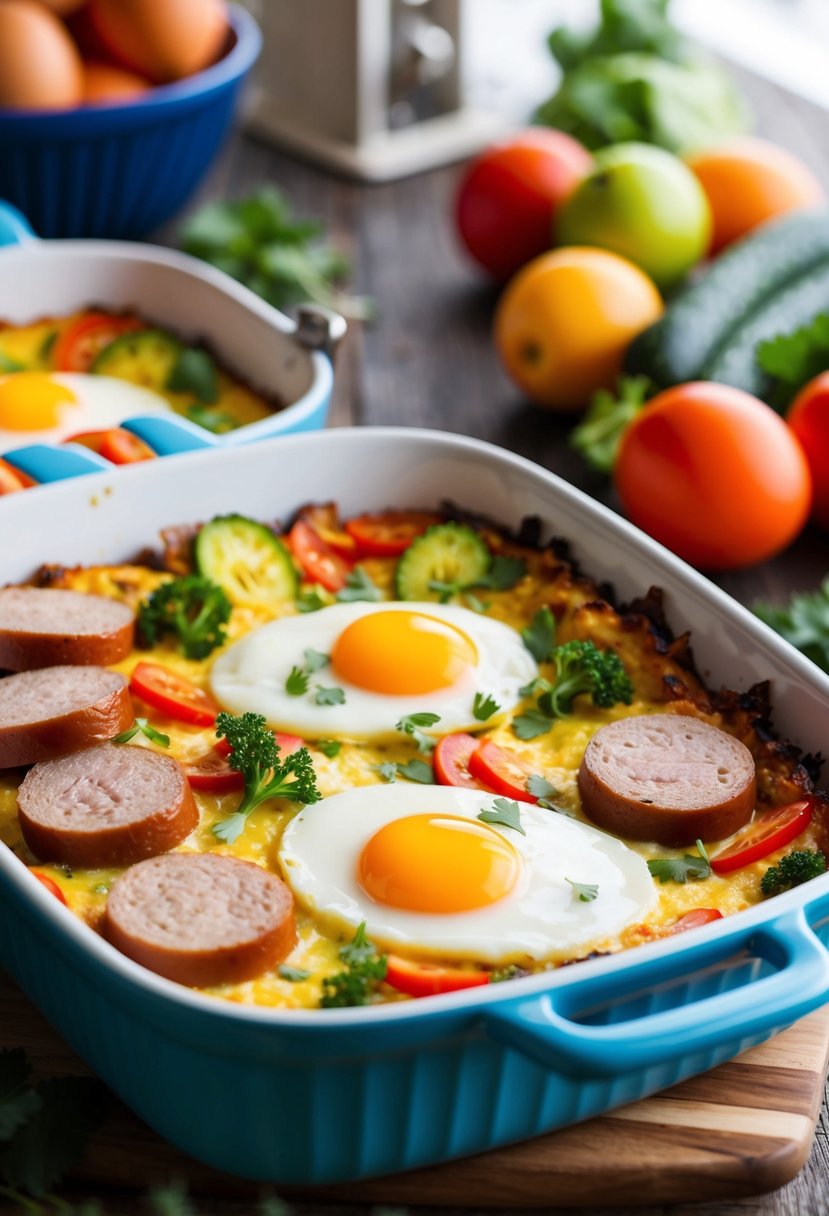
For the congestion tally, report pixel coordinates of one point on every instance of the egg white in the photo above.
(100, 402)
(250, 675)
(541, 919)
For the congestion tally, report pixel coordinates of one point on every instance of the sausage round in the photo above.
(201, 919)
(667, 778)
(45, 627)
(107, 806)
(55, 710)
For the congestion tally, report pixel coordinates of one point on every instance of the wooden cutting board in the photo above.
(744, 1128)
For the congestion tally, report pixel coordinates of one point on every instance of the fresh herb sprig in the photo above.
(142, 726)
(299, 678)
(586, 891)
(358, 586)
(357, 983)
(793, 359)
(598, 436)
(193, 609)
(804, 622)
(503, 574)
(484, 706)
(540, 635)
(506, 813)
(679, 869)
(412, 724)
(255, 754)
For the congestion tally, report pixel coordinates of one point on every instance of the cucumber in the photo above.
(146, 358)
(247, 561)
(451, 554)
(735, 361)
(698, 322)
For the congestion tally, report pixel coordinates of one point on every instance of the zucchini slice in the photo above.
(146, 358)
(445, 553)
(247, 561)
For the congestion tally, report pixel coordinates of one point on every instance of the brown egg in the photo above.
(63, 7)
(40, 68)
(162, 39)
(105, 84)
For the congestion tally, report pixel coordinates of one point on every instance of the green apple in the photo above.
(644, 204)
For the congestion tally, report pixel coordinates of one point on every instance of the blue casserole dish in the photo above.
(191, 299)
(318, 1097)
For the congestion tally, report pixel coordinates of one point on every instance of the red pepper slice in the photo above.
(451, 761)
(425, 979)
(769, 831)
(175, 696)
(319, 562)
(79, 345)
(12, 480)
(693, 920)
(50, 885)
(501, 771)
(324, 518)
(388, 534)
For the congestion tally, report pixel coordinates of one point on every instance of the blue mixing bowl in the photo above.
(121, 170)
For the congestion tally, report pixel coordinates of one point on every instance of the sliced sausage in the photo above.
(107, 806)
(45, 627)
(56, 710)
(201, 919)
(667, 778)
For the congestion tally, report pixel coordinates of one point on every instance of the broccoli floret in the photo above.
(582, 668)
(793, 869)
(195, 609)
(364, 970)
(255, 754)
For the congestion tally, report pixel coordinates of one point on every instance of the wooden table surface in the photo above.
(428, 361)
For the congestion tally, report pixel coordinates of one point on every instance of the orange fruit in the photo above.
(563, 324)
(749, 181)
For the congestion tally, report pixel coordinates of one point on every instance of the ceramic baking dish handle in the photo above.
(14, 227)
(752, 1007)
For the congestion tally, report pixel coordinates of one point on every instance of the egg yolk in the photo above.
(402, 653)
(30, 401)
(438, 863)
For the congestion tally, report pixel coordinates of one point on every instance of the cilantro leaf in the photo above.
(794, 359)
(680, 869)
(328, 747)
(193, 608)
(417, 770)
(194, 372)
(387, 772)
(531, 724)
(504, 573)
(804, 622)
(18, 1101)
(410, 724)
(540, 787)
(315, 660)
(297, 682)
(142, 725)
(586, 891)
(364, 970)
(484, 706)
(539, 636)
(599, 434)
(48, 1144)
(358, 586)
(328, 696)
(294, 975)
(504, 812)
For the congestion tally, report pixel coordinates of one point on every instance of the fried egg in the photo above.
(390, 660)
(430, 878)
(44, 407)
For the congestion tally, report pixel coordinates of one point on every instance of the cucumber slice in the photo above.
(446, 553)
(146, 358)
(246, 560)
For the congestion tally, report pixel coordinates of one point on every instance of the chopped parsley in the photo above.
(358, 586)
(311, 600)
(294, 975)
(484, 706)
(416, 770)
(411, 724)
(540, 635)
(586, 891)
(143, 726)
(328, 747)
(387, 771)
(328, 696)
(297, 682)
(680, 869)
(357, 983)
(504, 812)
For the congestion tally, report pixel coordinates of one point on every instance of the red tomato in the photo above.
(324, 518)
(50, 885)
(389, 534)
(320, 563)
(116, 445)
(11, 479)
(213, 774)
(287, 744)
(501, 771)
(769, 832)
(79, 345)
(808, 417)
(693, 920)
(509, 196)
(425, 979)
(714, 474)
(173, 694)
(451, 761)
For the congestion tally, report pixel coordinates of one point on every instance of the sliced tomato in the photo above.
(693, 920)
(79, 345)
(768, 832)
(287, 744)
(212, 774)
(501, 771)
(11, 479)
(319, 562)
(50, 885)
(324, 518)
(389, 534)
(452, 762)
(173, 694)
(425, 979)
(115, 444)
